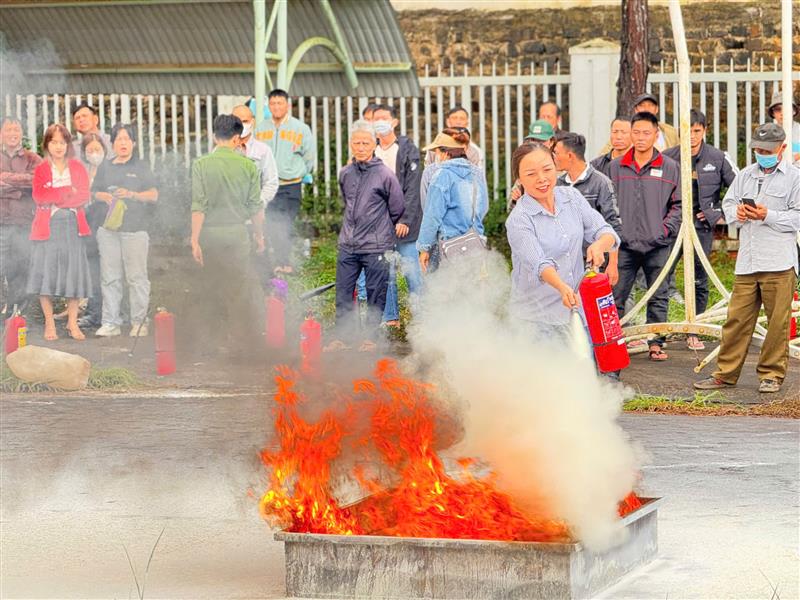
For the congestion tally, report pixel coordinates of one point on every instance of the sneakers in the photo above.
(711, 383)
(769, 386)
(138, 330)
(107, 330)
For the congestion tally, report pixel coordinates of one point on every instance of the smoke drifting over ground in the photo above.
(536, 413)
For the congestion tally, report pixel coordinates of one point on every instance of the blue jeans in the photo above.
(392, 310)
(410, 266)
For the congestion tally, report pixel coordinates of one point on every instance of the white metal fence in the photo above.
(502, 102)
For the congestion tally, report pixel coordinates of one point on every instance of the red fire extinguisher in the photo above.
(164, 341)
(602, 319)
(310, 345)
(793, 322)
(276, 314)
(16, 331)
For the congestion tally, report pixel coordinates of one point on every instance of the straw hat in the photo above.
(442, 140)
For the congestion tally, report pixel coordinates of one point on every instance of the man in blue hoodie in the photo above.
(373, 205)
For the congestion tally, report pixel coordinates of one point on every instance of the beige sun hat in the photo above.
(442, 140)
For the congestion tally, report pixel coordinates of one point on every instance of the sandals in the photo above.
(657, 354)
(695, 343)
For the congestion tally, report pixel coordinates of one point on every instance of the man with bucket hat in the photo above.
(775, 112)
(764, 202)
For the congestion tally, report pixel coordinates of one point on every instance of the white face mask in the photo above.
(248, 129)
(382, 127)
(95, 158)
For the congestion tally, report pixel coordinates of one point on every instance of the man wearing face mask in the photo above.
(16, 209)
(402, 157)
(764, 202)
(258, 152)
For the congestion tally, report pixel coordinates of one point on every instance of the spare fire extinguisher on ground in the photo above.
(310, 345)
(793, 321)
(16, 332)
(602, 318)
(276, 314)
(164, 341)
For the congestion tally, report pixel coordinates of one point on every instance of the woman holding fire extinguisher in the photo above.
(546, 232)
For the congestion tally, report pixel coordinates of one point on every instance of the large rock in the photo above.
(62, 370)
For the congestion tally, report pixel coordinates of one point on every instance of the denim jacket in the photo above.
(449, 203)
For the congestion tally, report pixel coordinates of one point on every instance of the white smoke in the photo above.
(538, 414)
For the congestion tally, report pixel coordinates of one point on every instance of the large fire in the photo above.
(422, 500)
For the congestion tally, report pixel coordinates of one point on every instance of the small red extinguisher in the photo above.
(164, 341)
(602, 318)
(793, 321)
(310, 345)
(16, 331)
(276, 314)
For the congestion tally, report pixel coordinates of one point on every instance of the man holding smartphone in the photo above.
(764, 202)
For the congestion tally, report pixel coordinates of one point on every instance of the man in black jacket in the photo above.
(373, 205)
(712, 170)
(648, 196)
(402, 157)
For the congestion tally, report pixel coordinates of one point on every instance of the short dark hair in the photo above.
(369, 108)
(455, 109)
(391, 109)
(227, 126)
(558, 108)
(123, 126)
(574, 142)
(523, 151)
(81, 106)
(625, 118)
(645, 116)
(697, 118)
(279, 93)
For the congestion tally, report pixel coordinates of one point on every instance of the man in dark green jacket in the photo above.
(226, 192)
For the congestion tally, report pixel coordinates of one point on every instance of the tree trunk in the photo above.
(633, 62)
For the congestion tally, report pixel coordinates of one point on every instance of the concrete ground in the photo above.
(199, 370)
(83, 478)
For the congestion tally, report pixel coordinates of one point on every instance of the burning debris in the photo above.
(393, 418)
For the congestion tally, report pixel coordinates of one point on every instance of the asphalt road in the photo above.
(83, 479)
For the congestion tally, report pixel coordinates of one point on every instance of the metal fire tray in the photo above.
(367, 566)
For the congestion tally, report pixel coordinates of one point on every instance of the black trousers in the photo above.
(700, 276)
(279, 220)
(376, 270)
(651, 263)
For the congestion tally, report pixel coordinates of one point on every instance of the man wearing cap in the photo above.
(764, 202)
(776, 114)
(712, 170)
(667, 135)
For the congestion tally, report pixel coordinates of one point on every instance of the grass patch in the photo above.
(110, 379)
(711, 404)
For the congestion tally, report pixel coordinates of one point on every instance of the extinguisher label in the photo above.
(609, 318)
(22, 336)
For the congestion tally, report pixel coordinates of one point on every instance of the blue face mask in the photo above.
(767, 161)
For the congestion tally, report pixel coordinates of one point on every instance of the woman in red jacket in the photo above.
(58, 259)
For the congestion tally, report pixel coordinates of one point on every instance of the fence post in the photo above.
(593, 72)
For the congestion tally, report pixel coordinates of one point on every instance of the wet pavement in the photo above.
(86, 478)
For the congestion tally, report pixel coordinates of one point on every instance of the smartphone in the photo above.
(748, 202)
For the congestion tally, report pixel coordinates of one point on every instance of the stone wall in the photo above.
(722, 30)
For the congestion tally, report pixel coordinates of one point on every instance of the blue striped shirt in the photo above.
(539, 240)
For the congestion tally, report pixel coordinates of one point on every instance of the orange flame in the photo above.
(425, 501)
